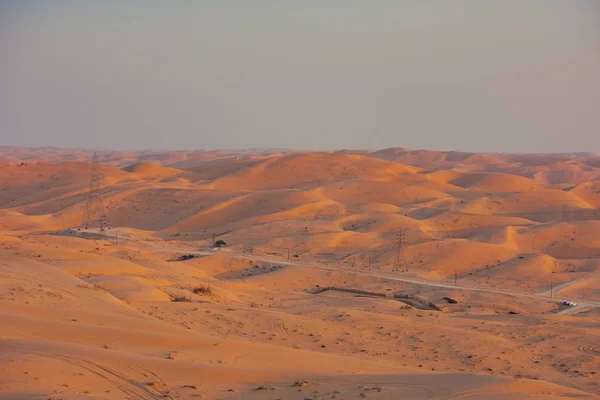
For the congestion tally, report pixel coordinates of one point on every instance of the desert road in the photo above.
(581, 304)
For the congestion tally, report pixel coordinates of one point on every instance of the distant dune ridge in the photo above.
(505, 236)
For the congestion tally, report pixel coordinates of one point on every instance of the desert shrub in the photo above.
(185, 257)
(202, 289)
(180, 299)
(220, 243)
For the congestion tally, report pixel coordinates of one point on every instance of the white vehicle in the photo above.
(568, 303)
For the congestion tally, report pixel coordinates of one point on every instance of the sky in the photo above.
(477, 75)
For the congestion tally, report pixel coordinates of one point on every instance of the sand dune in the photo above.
(309, 170)
(589, 192)
(546, 168)
(312, 295)
(496, 182)
(379, 192)
(242, 208)
(153, 170)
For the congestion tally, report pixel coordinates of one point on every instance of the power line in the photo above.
(95, 212)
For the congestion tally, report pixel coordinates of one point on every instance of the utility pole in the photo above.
(551, 289)
(94, 208)
(288, 257)
(116, 238)
(213, 236)
(369, 263)
(455, 277)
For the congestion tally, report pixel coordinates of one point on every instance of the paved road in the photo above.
(582, 304)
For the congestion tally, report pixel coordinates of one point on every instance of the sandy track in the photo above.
(463, 358)
(280, 329)
(590, 349)
(134, 389)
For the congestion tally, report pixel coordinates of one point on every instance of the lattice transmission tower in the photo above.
(400, 240)
(95, 212)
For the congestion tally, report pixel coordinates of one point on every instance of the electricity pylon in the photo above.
(400, 239)
(94, 208)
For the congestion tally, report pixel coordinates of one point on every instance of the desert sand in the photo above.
(312, 297)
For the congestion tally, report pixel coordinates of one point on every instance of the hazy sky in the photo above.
(480, 75)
